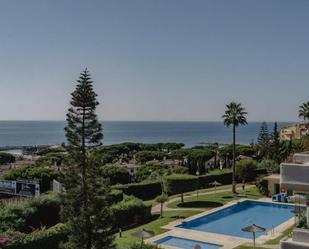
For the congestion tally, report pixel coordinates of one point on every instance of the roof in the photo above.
(272, 177)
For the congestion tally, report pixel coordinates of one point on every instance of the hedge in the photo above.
(116, 195)
(143, 190)
(177, 184)
(130, 211)
(41, 239)
(224, 179)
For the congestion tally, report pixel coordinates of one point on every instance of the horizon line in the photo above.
(119, 120)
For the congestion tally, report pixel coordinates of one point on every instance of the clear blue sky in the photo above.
(155, 59)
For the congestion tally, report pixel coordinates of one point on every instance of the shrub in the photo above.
(180, 170)
(143, 190)
(130, 211)
(34, 212)
(269, 165)
(116, 174)
(262, 186)
(45, 238)
(6, 158)
(145, 171)
(246, 169)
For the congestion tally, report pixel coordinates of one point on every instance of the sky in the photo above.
(154, 60)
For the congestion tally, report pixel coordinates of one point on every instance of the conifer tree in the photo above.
(86, 208)
(276, 144)
(263, 141)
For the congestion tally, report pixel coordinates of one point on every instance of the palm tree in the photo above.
(234, 115)
(304, 111)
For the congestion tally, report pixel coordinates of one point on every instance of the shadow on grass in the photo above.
(227, 197)
(200, 204)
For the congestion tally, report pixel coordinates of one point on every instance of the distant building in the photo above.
(295, 131)
(131, 167)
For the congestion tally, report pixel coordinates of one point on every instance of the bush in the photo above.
(180, 170)
(45, 238)
(262, 186)
(246, 169)
(116, 174)
(143, 190)
(34, 212)
(269, 165)
(144, 172)
(131, 211)
(6, 158)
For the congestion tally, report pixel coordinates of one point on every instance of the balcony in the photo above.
(295, 176)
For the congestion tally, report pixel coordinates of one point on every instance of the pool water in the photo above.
(230, 220)
(185, 243)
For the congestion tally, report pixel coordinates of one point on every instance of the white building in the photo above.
(295, 176)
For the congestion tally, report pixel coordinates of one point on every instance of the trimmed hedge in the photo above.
(178, 184)
(116, 195)
(130, 211)
(41, 239)
(224, 179)
(143, 190)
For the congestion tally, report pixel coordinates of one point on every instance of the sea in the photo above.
(24, 133)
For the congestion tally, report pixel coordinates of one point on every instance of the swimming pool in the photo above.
(185, 243)
(230, 220)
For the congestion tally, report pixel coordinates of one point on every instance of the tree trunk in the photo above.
(161, 210)
(234, 160)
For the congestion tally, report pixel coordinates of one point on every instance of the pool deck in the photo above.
(227, 241)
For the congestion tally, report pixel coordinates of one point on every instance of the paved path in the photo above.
(156, 208)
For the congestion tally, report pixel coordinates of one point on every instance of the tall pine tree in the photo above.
(263, 141)
(276, 144)
(86, 208)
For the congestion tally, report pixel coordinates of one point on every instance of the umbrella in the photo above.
(253, 229)
(143, 234)
(215, 183)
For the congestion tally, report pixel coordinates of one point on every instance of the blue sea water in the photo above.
(14, 133)
(186, 243)
(231, 220)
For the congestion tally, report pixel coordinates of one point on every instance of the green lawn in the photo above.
(284, 234)
(155, 226)
(248, 247)
(214, 200)
(205, 190)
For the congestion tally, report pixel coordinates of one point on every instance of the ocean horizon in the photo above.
(191, 133)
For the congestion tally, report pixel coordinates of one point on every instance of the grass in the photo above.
(248, 247)
(155, 225)
(278, 239)
(214, 200)
(205, 190)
